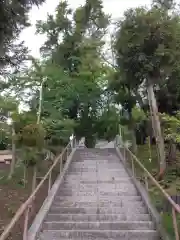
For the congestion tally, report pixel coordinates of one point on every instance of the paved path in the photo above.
(105, 144)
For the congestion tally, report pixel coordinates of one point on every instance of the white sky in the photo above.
(34, 42)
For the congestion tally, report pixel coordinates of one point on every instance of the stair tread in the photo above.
(100, 234)
(140, 222)
(102, 231)
(86, 214)
(99, 225)
(84, 208)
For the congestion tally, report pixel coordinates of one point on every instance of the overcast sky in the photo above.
(113, 7)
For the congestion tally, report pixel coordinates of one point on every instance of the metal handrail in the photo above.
(175, 207)
(25, 207)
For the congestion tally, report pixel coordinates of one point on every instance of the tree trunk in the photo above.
(13, 161)
(157, 128)
(172, 153)
(25, 175)
(34, 178)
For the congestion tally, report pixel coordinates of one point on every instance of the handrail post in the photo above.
(124, 153)
(60, 164)
(133, 169)
(26, 223)
(68, 150)
(175, 223)
(146, 182)
(50, 181)
(66, 154)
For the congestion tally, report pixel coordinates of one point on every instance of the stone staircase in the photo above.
(97, 200)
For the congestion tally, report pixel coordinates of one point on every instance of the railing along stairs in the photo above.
(26, 207)
(135, 166)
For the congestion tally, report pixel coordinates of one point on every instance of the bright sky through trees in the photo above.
(113, 7)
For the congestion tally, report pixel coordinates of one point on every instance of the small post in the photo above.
(50, 181)
(66, 154)
(26, 223)
(146, 182)
(175, 224)
(124, 153)
(71, 139)
(68, 150)
(133, 169)
(75, 143)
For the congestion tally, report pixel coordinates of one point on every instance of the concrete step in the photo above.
(71, 180)
(94, 160)
(100, 189)
(98, 198)
(100, 173)
(104, 165)
(99, 235)
(95, 204)
(105, 178)
(112, 184)
(94, 172)
(111, 194)
(98, 160)
(102, 177)
(122, 225)
(124, 191)
(97, 154)
(91, 210)
(98, 217)
(95, 169)
(118, 192)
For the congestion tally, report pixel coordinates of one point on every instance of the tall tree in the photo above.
(78, 55)
(147, 50)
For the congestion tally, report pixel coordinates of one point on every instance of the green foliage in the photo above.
(58, 131)
(148, 44)
(123, 91)
(138, 115)
(33, 136)
(31, 156)
(108, 123)
(73, 68)
(171, 126)
(32, 141)
(23, 119)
